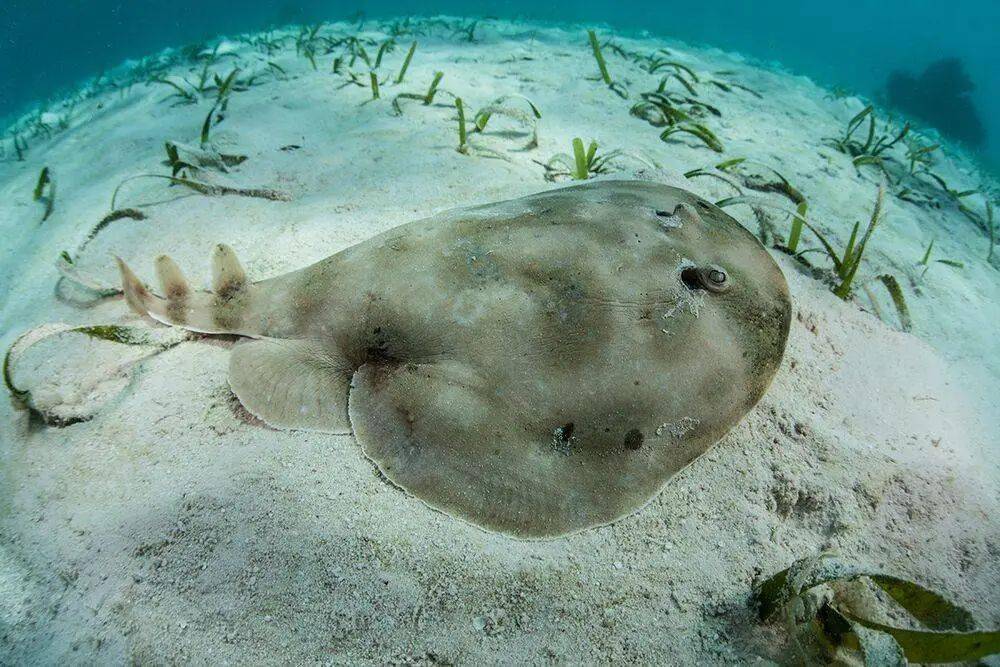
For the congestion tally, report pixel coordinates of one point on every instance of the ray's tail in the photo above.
(228, 308)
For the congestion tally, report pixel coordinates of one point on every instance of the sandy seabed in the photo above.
(171, 528)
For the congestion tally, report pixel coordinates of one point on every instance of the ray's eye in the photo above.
(711, 278)
(715, 279)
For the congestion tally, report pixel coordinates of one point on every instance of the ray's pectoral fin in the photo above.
(444, 435)
(291, 384)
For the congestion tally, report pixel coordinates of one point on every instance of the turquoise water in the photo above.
(49, 45)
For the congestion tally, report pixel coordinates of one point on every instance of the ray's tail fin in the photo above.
(228, 308)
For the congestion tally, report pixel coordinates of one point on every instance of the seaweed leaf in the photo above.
(750, 180)
(991, 229)
(209, 189)
(463, 146)
(159, 339)
(386, 47)
(949, 638)
(585, 162)
(186, 96)
(595, 46)
(875, 144)
(502, 106)
(406, 63)
(426, 99)
(582, 159)
(796, 231)
(697, 130)
(677, 77)
(45, 192)
(896, 293)
(657, 64)
(599, 57)
(848, 271)
(43, 180)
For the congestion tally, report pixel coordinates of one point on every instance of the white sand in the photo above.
(170, 529)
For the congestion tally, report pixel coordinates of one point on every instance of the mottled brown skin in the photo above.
(536, 367)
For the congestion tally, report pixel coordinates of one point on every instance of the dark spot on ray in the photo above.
(633, 440)
(562, 438)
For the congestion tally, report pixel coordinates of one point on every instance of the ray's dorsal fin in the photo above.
(229, 308)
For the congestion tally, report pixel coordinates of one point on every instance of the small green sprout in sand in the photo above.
(467, 32)
(586, 162)
(711, 172)
(20, 146)
(400, 28)
(174, 161)
(388, 46)
(659, 110)
(754, 175)
(595, 45)
(277, 70)
(801, 210)
(504, 106)
(224, 87)
(406, 63)
(45, 192)
(728, 86)
(898, 300)
(845, 263)
(927, 263)
(957, 196)
(697, 130)
(756, 181)
(184, 160)
(991, 229)
(267, 43)
(426, 99)
(666, 107)
(463, 145)
(675, 76)
(919, 155)
(601, 65)
(183, 95)
(954, 193)
(306, 43)
(872, 150)
(655, 64)
(357, 50)
(757, 205)
(849, 263)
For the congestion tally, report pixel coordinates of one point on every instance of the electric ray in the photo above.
(535, 367)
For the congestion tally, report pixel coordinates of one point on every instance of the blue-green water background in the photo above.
(48, 45)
